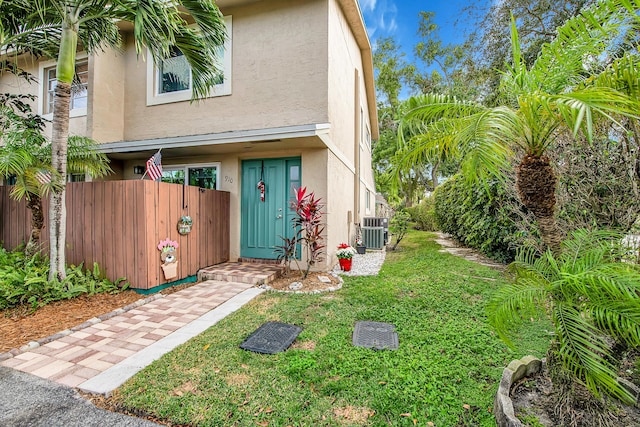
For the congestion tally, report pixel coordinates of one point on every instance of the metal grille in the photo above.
(271, 338)
(377, 335)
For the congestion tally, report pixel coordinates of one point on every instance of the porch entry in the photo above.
(263, 222)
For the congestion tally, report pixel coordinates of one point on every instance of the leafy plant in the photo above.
(423, 214)
(593, 299)
(398, 226)
(23, 280)
(287, 252)
(308, 220)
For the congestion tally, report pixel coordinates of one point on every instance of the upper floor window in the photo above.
(174, 73)
(79, 88)
(170, 81)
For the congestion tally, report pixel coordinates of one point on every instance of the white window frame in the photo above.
(185, 167)
(154, 97)
(367, 202)
(43, 67)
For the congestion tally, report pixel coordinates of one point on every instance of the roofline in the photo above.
(352, 11)
(231, 137)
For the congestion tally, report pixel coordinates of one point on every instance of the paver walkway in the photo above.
(99, 358)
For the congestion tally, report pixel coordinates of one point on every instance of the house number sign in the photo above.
(184, 225)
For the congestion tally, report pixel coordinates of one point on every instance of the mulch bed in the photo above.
(311, 283)
(20, 325)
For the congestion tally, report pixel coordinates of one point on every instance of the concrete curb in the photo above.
(42, 341)
(502, 405)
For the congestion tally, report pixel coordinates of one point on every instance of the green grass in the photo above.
(446, 371)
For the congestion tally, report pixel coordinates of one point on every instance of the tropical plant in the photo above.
(592, 297)
(26, 155)
(57, 28)
(308, 220)
(562, 89)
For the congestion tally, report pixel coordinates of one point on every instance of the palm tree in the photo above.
(591, 296)
(26, 155)
(58, 28)
(562, 90)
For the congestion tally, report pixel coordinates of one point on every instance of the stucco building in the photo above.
(295, 107)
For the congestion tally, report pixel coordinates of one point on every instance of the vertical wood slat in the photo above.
(118, 224)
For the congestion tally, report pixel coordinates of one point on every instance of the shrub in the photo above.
(399, 226)
(424, 215)
(480, 215)
(24, 281)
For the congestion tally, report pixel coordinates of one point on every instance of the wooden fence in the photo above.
(118, 224)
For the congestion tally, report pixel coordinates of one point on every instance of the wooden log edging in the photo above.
(502, 405)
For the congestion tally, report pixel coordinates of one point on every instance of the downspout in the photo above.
(356, 149)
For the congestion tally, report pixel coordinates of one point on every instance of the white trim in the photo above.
(156, 98)
(255, 135)
(42, 88)
(186, 166)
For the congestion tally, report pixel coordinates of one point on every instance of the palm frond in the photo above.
(583, 352)
(514, 303)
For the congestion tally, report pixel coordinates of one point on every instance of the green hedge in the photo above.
(424, 215)
(479, 215)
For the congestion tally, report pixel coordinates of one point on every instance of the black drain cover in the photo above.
(378, 335)
(271, 338)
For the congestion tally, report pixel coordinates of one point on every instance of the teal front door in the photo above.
(264, 222)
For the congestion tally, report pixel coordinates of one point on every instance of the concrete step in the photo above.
(241, 272)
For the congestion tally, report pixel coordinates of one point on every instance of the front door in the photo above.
(264, 222)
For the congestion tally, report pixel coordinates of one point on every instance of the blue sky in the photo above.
(399, 18)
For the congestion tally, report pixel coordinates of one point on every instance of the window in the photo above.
(174, 74)
(171, 81)
(203, 176)
(77, 177)
(78, 89)
(10, 180)
(367, 202)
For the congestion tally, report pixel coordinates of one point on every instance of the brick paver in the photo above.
(75, 358)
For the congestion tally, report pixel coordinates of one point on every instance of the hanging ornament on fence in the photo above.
(261, 185)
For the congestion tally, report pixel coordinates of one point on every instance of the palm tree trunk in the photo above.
(34, 203)
(57, 203)
(65, 70)
(536, 184)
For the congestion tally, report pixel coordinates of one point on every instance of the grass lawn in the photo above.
(445, 373)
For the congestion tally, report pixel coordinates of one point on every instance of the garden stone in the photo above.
(295, 286)
(324, 279)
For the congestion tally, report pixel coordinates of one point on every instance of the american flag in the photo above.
(43, 177)
(154, 166)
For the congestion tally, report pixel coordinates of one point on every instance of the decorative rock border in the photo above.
(502, 405)
(42, 341)
(316, 291)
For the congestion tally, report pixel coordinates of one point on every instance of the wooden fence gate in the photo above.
(118, 224)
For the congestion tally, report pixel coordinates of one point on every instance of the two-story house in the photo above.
(295, 106)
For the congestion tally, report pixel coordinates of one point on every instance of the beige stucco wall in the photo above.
(279, 78)
(347, 96)
(107, 90)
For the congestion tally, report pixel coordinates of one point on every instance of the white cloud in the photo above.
(379, 17)
(367, 5)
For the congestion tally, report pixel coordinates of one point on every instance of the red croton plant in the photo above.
(308, 223)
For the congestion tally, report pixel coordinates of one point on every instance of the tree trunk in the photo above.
(434, 174)
(57, 203)
(34, 203)
(536, 184)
